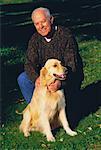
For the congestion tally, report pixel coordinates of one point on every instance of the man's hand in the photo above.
(54, 86)
(37, 82)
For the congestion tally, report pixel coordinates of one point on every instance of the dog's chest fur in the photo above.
(53, 103)
(48, 104)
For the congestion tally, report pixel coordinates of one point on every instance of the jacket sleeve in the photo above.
(70, 53)
(32, 61)
(73, 62)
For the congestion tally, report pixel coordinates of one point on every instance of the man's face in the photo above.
(42, 23)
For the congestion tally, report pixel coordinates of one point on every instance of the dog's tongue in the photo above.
(62, 75)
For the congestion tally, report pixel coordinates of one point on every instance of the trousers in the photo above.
(26, 86)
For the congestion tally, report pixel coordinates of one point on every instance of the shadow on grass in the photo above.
(9, 89)
(86, 102)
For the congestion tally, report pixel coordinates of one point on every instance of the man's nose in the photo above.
(40, 25)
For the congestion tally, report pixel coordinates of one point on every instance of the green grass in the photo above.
(14, 1)
(91, 54)
(89, 129)
(88, 136)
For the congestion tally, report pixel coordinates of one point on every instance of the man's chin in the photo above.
(43, 34)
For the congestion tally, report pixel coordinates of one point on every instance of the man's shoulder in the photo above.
(34, 39)
(34, 36)
(64, 30)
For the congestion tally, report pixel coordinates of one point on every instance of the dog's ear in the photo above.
(43, 74)
(45, 78)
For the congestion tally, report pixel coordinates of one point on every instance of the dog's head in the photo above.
(53, 69)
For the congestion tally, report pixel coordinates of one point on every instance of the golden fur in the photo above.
(45, 106)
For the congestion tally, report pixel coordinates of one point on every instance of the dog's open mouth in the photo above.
(60, 76)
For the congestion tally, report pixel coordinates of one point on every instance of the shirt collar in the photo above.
(49, 39)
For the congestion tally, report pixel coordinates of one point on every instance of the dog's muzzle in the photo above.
(60, 76)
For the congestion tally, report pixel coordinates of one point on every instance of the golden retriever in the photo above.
(45, 105)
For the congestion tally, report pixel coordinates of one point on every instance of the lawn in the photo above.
(89, 125)
(14, 1)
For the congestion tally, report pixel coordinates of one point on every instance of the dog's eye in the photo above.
(55, 65)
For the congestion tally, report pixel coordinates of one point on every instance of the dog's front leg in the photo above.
(25, 124)
(46, 128)
(63, 119)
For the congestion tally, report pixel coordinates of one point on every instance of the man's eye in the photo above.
(36, 24)
(43, 21)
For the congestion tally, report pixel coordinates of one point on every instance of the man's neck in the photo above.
(50, 35)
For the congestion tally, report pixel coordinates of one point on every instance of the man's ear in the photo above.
(52, 19)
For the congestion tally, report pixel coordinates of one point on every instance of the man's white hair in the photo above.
(45, 10)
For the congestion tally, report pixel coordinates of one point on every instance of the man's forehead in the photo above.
(39, 15)
(39, 12)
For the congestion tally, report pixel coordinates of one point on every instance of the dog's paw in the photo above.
(51, 139)
(26, 134)
(72, 133)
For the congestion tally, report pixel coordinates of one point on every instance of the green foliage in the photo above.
(12, 55)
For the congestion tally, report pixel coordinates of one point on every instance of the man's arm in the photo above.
(73, 62)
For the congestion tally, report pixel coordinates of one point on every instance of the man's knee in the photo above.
(21, 78)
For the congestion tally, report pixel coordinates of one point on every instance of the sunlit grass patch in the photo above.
(14, 1)
(91, 56)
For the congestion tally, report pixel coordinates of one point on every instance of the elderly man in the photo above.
(50, 41)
